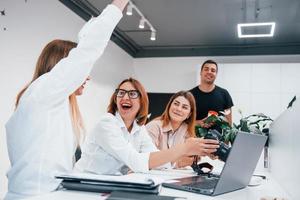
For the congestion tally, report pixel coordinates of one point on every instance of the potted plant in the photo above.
(256, 123)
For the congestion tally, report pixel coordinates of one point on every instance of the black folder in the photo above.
(117, 195)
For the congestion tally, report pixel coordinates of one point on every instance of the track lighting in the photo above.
(142, 23)
(143, 20)
(129, 9)
(153, 35)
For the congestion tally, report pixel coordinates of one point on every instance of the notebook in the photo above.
(105, 183)
(236, 173)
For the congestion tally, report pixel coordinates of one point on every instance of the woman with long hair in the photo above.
(45, 129)
(175, 125)
(120, 142)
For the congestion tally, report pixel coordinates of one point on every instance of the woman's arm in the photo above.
(108, 135)
(184, 161)
(70, 72)
(192, 146)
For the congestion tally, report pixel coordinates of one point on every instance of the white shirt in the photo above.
(110, 146)
(40, 137)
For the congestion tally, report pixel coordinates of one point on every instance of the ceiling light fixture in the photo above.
(129, 9)
(153, 35)
(241, 35)
(142, 24)
(131, 6)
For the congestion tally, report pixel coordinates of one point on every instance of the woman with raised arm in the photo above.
(44, 130)
(120, 142)
(175, 125)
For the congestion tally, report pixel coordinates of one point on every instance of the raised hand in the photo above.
(120, 3)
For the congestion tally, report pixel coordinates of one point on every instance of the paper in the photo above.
(157, 180)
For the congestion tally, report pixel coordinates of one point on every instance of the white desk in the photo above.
(268, 187)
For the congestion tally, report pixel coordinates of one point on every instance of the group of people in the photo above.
(46, 126)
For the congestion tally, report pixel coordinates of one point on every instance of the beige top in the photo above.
(165, 137)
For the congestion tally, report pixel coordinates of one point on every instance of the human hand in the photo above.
(213, 157)
(184, 161)
(200, 146)
(121, 4)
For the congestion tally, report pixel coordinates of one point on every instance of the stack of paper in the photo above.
(104, 183)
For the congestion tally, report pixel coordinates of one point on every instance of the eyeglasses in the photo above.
(132, 94)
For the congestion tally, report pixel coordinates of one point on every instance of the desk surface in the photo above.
(268, 188)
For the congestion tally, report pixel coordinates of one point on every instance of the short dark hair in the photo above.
(209, 62)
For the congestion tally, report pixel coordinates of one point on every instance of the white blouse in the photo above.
(109, 148)
(40, 138)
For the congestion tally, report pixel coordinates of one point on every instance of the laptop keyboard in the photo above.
(205, 184)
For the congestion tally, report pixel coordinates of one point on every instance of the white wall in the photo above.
(261, 87)
(29, 27)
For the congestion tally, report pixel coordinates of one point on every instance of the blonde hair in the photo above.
(143, 112)
(190, 121)
(52, 53)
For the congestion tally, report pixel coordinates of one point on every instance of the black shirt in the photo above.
(217, 100)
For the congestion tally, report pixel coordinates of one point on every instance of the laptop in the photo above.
(236, 173)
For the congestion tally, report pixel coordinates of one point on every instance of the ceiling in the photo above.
(202, 27)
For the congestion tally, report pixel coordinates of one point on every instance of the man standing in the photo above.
(210, 97)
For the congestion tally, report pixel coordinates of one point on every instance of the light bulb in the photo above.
(153, 36)
(129, 10)
(142, 23)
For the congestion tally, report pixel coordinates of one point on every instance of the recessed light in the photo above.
(270, 34)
